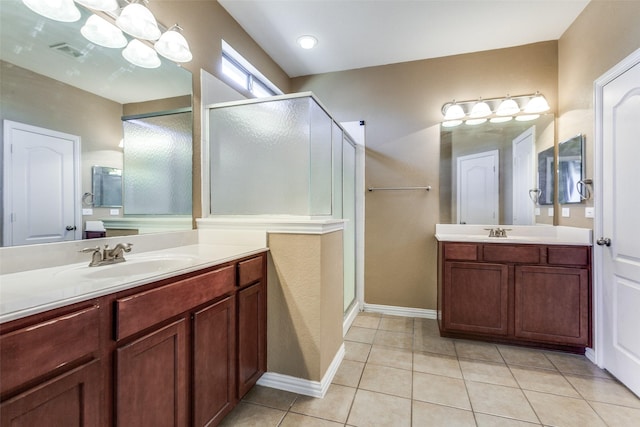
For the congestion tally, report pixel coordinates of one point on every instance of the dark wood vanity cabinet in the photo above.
(180, 352)
(50, 368)
(528, 294)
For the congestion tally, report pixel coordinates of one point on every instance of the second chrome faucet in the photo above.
(106, 255)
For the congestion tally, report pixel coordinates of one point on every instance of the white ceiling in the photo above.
(362, 33)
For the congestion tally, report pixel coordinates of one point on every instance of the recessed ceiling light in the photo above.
(307, 42)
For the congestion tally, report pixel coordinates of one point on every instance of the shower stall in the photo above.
(283, 157)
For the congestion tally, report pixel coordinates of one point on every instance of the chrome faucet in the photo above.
(498, 232)
(106, 256)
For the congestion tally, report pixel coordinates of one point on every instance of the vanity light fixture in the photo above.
(480, 109)
(136, 20)
(103, 5)
(537, 104)
(172, 45)
(58, 10)
(141, 55)
(508, 107)
(307, 42)
(501, 119)
(496, 110)
(101, 32)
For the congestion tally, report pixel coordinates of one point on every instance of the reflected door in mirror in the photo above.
(478, 196)
(40, 185)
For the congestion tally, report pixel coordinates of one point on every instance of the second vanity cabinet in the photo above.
(178, 352)
(528, 294)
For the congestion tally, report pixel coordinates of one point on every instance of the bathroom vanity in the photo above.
(527, 290)
(181, 349)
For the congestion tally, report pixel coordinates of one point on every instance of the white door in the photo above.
(524, 177)
(478, 188)
(41, 185)
(617, 231)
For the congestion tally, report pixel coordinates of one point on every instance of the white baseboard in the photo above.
(401, 311)
(590, 354)
(301, 385)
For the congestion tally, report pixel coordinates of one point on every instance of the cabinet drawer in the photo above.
(578, 255)
(249, 271)
(36, 350)
(511, 253)
(461, 251)
(140, 311)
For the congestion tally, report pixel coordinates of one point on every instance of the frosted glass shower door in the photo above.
(349, 213)
(157, 165)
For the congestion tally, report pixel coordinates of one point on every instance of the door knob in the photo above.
(70, 227)
(604, 241)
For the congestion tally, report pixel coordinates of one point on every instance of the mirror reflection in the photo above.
(56, 84)
(107, 187)
(488, 172)
(571, 169)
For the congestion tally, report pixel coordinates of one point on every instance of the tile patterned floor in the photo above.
(399, 372)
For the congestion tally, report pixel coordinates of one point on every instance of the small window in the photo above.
(234, 72)
(245, 75)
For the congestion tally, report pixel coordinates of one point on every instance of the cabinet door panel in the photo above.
(36, 350)
(214, 366)
(151, 386)
(69, 400)
(552, 304)
(251, 336)
(476, 297)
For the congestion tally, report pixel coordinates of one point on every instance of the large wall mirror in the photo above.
(488, 172)
(55, 80)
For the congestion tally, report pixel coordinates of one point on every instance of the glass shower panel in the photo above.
(336, 147)
(157, 165)
(320, 174)
(349, 213)
(259, 157)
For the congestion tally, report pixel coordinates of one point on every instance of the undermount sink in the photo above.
(133, 267)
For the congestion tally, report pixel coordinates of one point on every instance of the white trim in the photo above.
(598, 308)
(150, 224)
(301, 385)
(401, 311)
(294, 225)
(350, 317)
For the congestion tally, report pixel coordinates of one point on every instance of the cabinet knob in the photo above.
(604, 241)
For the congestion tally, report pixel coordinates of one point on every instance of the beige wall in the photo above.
(401, 104)
(604, 34)
(305, 303)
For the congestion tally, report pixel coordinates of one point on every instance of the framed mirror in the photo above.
(107, 187)
(55, 79)
(487, 171)
(571, 169)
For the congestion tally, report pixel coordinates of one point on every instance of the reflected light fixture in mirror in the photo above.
(58, 10)
(141, 55)
(496, 110)
(101, 32)
(103, 5)
(138, 21)
(172, 45)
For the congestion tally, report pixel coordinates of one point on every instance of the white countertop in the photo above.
(517, 234)
(35, 291)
